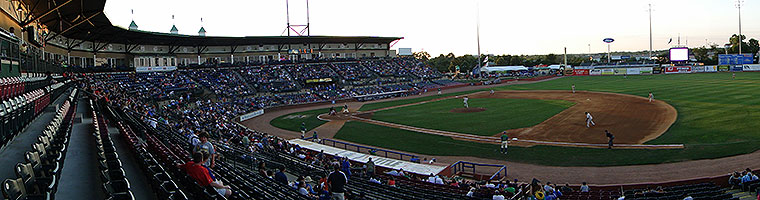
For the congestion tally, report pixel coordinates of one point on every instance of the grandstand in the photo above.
(89, 110)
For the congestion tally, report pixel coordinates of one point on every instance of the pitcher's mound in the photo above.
(467, 110)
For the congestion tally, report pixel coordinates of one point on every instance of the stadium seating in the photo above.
(37, 177)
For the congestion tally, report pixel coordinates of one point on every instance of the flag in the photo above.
(671, 40)
(486, 60)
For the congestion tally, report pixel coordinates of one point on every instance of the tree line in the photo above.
(707, 55)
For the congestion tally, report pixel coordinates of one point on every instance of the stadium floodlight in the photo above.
(739, 6)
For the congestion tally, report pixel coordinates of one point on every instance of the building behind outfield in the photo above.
(79, 34)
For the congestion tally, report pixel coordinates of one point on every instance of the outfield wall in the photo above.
(665, 70)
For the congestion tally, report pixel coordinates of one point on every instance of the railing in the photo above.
(370, 150)
(460, 167)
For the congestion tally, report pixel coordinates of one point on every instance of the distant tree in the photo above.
(421, 55)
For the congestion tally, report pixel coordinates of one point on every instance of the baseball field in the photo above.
(716, 117)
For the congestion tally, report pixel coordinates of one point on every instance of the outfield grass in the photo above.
(378, 105)
(293, 121)
(717, 117)
(500, 114)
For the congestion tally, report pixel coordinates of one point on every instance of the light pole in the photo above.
(608, 41)
(650, 30)
(739, 6)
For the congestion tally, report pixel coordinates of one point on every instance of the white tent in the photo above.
(502, 68)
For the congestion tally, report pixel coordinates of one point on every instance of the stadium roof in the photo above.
(85, 20)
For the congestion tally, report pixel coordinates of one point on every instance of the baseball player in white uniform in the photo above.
(465, 102)
(492, 91)
(651, 97)
(573, 87)
(589, 120)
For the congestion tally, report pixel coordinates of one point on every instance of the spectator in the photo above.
(438, 180)
(373, 180)
(497, 195)
(392, 182)
(280, 176)
(584, 187)
(337, 180)
(202, 176)
(735, 179)
(370, 167)
(206, 147)
(471, 192)
(262, 168)
(431, 179)
(566, 188)
(548, 187)
(303, 191)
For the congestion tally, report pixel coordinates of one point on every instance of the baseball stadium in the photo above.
(95, 107)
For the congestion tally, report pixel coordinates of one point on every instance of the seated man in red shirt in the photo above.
(201, 174)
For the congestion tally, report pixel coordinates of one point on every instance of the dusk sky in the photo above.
(443, 26)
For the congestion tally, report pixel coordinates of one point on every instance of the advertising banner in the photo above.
(698, 69)
(711, 68)
(645, 70)
(633, 71)
(724, 68)
(608, 71)
(657, 70)
(737, 68)
(677, 69)
(751, 68)
(251, 115)
(155, 69)
(581, 72)
(619, 71)
(596, 72)
(734, 59)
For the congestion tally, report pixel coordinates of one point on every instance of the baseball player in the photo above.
(465, 102)
(303, 129)
(504, 142)
(573, 87)
(345, 108)
(492, 91)
(733, 76)
(651, 97)
(610, 137)
(589, 120)
(439, 90)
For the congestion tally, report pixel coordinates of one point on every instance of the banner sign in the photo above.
(737, 68)
(608, 71)
(677, 69)
(734, 59)
(633, 71)
(711, 68)
(155, 69)
(251, 115)
(319, 80)
(645, 70)
(698, 69)
(723, 68)
(751, 68)
(581, 72)
(596, 72)
(619, 71)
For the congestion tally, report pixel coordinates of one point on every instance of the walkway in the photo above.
(80, 176)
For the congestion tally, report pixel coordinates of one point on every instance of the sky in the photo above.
(441, 26)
